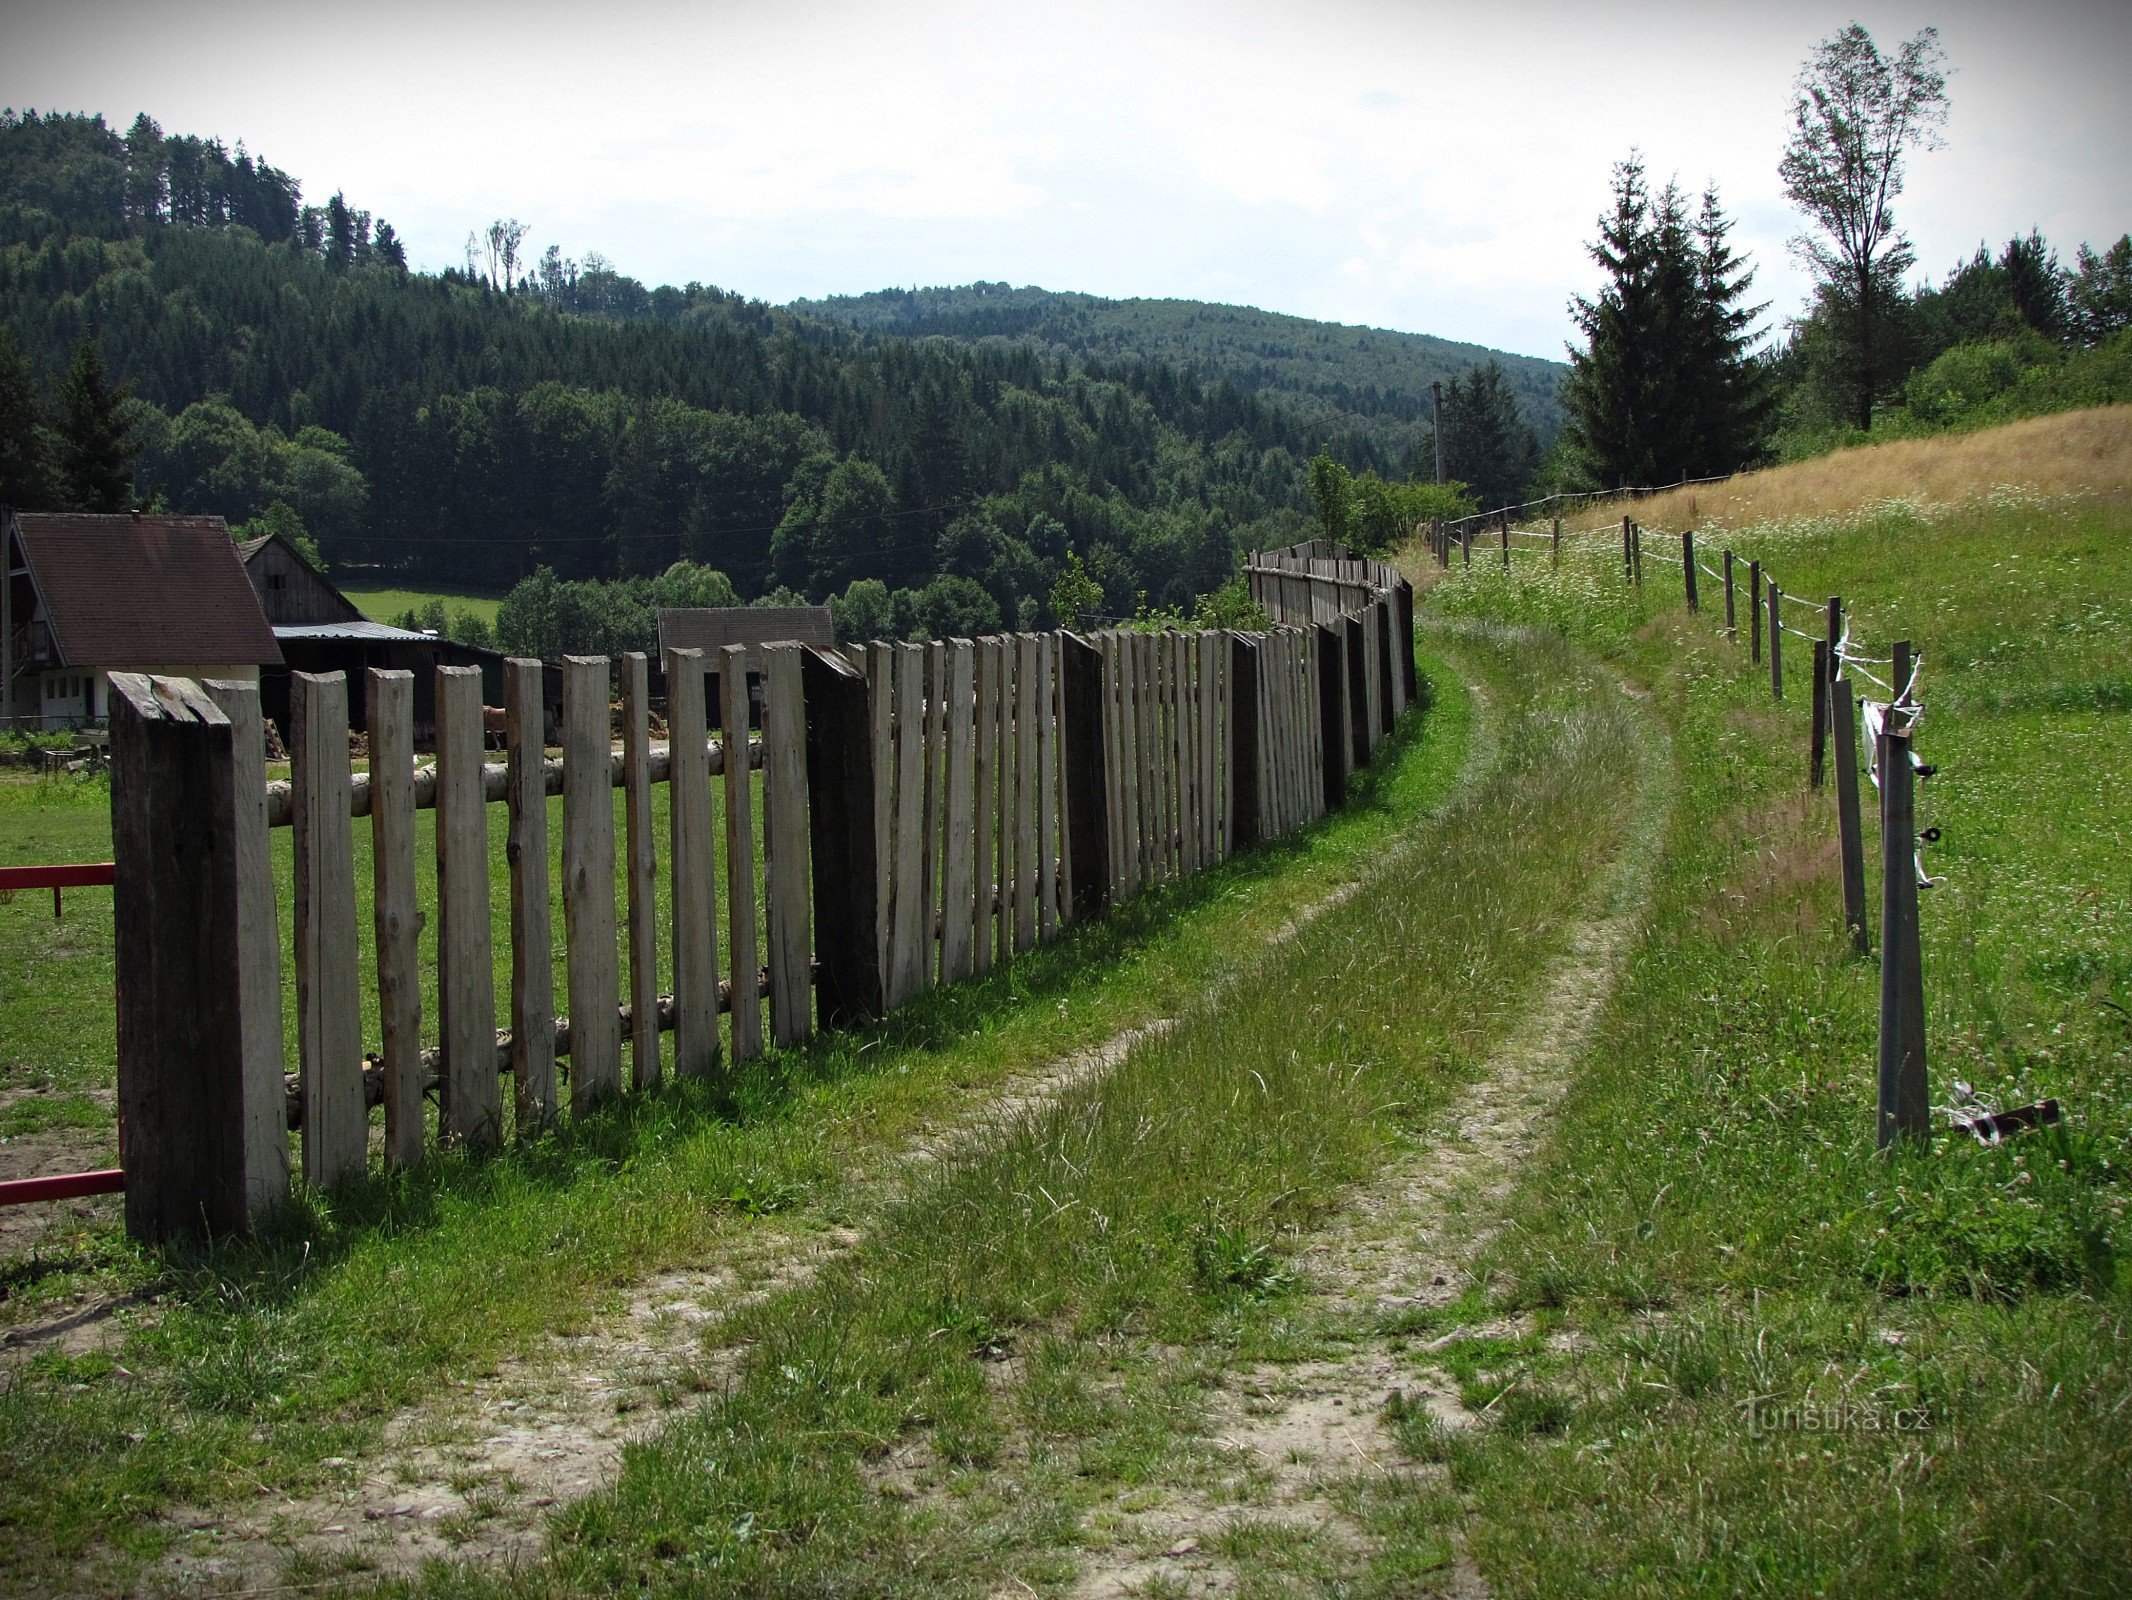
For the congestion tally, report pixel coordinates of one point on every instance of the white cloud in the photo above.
(1429, 166)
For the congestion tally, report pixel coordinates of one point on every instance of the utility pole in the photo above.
(1437, 426)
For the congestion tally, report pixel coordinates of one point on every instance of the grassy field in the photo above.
(57, 1032)
(386, 605)
(1710, 1220)
(1040, 1327)
(1712, 1344)
(273, 1362)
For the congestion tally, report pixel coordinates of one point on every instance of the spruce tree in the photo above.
(25, 440)
(1666, 387)
(1610, 386)
(1732, 396)
(95, 443)
(1487, 445)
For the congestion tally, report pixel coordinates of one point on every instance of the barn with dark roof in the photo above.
(85, 596)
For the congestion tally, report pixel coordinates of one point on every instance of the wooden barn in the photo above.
(85, 596)
(319, 629)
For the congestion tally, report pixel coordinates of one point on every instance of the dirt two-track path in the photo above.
(474, 1474)
(1292, 1437)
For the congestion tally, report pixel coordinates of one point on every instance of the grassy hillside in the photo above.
(1328, 368)
(1709, 1233)
(386, 605)
(2085, 452)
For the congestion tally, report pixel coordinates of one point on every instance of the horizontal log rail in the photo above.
(495, 781)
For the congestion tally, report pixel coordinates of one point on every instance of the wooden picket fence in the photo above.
(928, 811)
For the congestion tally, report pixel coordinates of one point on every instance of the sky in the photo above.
(1426, 167)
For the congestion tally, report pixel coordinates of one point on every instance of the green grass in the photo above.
(1040, 1323)
(57, 1030)
(386, 605)
(1710, 1216)
(262, 1362)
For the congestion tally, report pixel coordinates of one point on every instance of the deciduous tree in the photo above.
(1856, 115)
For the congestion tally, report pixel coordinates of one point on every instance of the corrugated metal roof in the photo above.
(138, 590)
(375, 631)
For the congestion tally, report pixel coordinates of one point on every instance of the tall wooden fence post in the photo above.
(785, 843)
(1506, 541)
(198, 962)
(395, 915)
(329, 1022)
(1628, 554)
(691, 852)
(1085, 758)
(1776, 640)
(1844, 735)
(1557, 554)
(1754, 612)
(1687, 568)
(471, 1096)
(842, 791)
(743, 947)
(588, 885)
(1817, 744)
(641, 877)
(1329, 643)
(1905, 1109)
(1831, 659)
(533, 1075)
(1409, 673)
(1244, 753)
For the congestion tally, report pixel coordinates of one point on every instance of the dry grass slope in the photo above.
(2073, 452)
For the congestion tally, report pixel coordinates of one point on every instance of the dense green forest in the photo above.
(276, 362)
(1329, 371)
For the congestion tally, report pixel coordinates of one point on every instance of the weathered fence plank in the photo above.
(742, 947)
(1207, 644)
(395, 917)
(1084, 758)
(910, 927)
(691, 852)
(1242, 736)
(1027, 863)
(328, 1006)
(533, 1075)
(959, 874)
(985, 806)
(879, 666)
(197, 960)
(642, 877)
(470, 1098)
(1051, 843)
(588, 886)
(785, 841)
(843, 792)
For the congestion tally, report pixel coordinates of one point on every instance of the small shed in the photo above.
(86, 595)
(320, 629)
(291, 591)
(712, 628)
(355, 647)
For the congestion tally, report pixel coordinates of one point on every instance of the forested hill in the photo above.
(471, 426)
(1332, 370)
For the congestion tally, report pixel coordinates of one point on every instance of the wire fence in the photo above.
(1843, 726)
